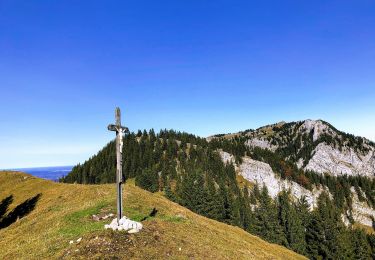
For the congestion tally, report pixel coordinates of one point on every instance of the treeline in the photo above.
(189, 170)
(141, 150)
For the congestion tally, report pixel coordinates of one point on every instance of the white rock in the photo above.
(71, 242)
(261, 143)
(132, 231)
(362, 213)
(79, 239)
(124, 224)
(318, 127)
(346, 162)
(261, 173)
(123, 220)
(226, 157)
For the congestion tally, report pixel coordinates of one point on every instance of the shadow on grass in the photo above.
(4, 204)
(151, 215)
(18, 212)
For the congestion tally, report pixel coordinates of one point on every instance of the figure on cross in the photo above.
(120, 131)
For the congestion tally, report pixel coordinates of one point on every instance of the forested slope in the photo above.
(190, 171)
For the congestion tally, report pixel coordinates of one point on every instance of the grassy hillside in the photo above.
(63, 212)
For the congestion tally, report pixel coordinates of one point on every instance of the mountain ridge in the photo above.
(281, 123)
(313, 145)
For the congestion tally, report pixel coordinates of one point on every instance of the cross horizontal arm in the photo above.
(112, 127)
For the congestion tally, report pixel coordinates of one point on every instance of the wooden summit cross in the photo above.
(120, 130)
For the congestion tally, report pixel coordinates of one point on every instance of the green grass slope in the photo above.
(63, 213)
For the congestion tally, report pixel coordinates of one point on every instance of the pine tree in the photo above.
(296, 232)
(168, 192)
(226, 213)
(303, 208)
(315, 236)
(148, 180)
(234, 208)
(248, 218)
(266, 224)
(215, 202)
(200, 195)
(291, 223)
(256, 192)
(326, 236)
(361, 246)
(371, 242)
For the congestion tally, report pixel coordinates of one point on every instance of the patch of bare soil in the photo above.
(117, 244)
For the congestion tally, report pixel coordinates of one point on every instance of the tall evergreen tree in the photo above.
(326, 236)
(266, 224)
(148, 179)
(291, 223)
(361, 246)
(168, 191)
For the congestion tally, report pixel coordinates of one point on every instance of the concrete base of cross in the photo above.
(125, 224)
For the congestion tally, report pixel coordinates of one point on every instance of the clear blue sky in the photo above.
(205, 67)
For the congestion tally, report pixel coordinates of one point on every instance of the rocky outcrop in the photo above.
(327, 159)
(317, 127)
(262, 174)
(362, 213)
(261, 143)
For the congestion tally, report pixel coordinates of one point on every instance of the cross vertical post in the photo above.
(120, 130)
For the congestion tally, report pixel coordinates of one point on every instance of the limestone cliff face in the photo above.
(327, 159)
(262, 174)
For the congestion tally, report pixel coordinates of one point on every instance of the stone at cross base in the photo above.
(125, 224)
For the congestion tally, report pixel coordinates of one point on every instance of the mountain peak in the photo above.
(317, 127)
(314, 145)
